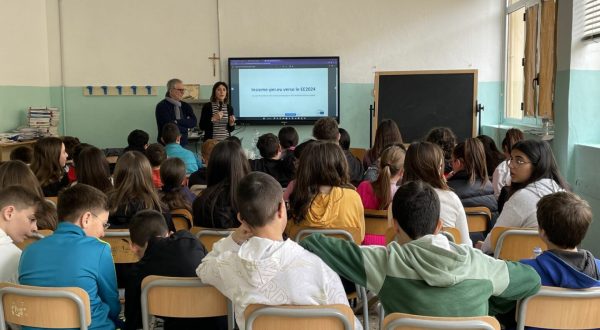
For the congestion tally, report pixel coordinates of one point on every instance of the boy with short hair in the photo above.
(137, 140)
(156, 155)
(427, 275)
(563, 220)
(254, 265)
(326, 129)
(271, 162)
(17, 222)
(172, 137)
(74, 256)
(199, 177)
(162, 254)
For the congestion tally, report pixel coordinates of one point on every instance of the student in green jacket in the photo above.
(427, 275)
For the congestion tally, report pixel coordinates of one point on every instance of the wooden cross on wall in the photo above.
(214, 59)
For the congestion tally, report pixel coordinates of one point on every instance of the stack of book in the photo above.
(44, 120)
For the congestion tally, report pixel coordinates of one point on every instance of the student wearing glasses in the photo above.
(534, 174)
(74, 256)
(172, 110)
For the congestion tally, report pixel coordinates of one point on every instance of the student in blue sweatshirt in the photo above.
(564, 219)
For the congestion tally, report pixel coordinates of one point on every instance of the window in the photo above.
(592, 20)
(530, 59)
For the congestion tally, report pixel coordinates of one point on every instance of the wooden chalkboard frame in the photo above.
(378, 74)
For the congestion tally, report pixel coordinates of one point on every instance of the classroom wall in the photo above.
(175, 38)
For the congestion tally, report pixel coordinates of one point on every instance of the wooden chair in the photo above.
(182, 297)
(120, 246)
(44, 307)
(515, 244)
(478, 218)
(297, 233)
(401, 321)
(182, 219)
(376, 221)
(38, 235)
(323, 317)
(209, 236)
(558, 308)
(454, 233)
(53, 199)
(343, 233)
(358, 153)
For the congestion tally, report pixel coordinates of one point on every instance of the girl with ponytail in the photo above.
(378, 194)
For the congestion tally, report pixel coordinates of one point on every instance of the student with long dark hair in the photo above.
(174, 194)
(387, 134)
(424, 161)
(534, 174)
(469, 179)
(15, 172)
(48, 165)
(322, 196)
(93, 169)
(493, 156)
(216, 207)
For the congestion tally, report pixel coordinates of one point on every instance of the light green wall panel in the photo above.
(14, 101)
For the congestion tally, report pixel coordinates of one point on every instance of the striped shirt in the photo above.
(220, 131)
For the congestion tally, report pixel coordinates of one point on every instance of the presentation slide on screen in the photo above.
(282, 92)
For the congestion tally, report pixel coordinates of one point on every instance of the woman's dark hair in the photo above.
(542, 160)
(472, 155)
(424, 161)
(512, 136)
(213, 95)
(172, 174)
(344, 139)
(493, 156)
(322, 163)
(46, 160)
(444, 138)
(386, 135)
(93, 169)
(226, 168)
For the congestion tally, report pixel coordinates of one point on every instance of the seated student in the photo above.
(71, 143)
(493, 156)
(355, 167)
(15, 172)
(288, 139)
(564, 219)
(156, 155)
(378, 195)
(216, 207)
(501, 175)
(17, 221)
(46, 216)
(199, 177)
(255, 265)
(387, 134)
(74, 256)
(48, 165)
(22, 153)
(534, 174)
(137, 140)
(162, 254)
(171, 137)
(445, 139)
(174, 193)
(426, 274)
(93, 169)
(271, 162)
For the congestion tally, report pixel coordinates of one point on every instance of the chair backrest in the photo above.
(347, 233)
(358, 153)
(44, 307)
(209, 236)
(401, 321)
(38, 235)
(558, 308)
(322, 317)
(456, 238)
(120, 248)
(182, 219)
(181, 297)
(376, 221)
(517, 244)
(478, 218)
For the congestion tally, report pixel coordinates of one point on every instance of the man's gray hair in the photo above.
(171, 83)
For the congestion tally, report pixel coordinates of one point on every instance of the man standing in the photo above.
(172, 110)
(74, 256)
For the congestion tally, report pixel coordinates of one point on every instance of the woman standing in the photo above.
(217, 119)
